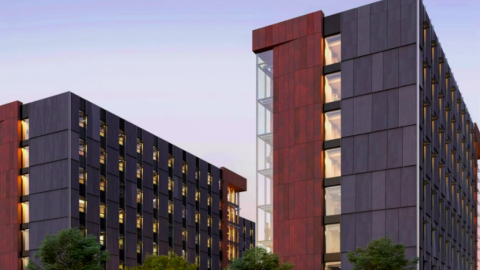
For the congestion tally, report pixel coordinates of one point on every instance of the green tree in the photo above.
(258, 258)
(68, 250)
(165, 262)
(381, 254)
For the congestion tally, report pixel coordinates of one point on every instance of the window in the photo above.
(82, 176)
(121, 192)
(170, 161)
(121, 138)
(103, 238)
(139, 196)
(332, 238)
(184, 190)
(197, 217)
(103, 156)
(121, 242)
(25, 157)
(184, 235)
(197, 195)
(170, 207)
(209, 200)
(333, 162)
(170, 184)
(139, 171)
(82, 205)
(121, 164)
(103, 184)
(139, 146)
(155, 226)
(155, 202)
(25, 184)
(184, 167)
(25, 212)
(82, 147)
(155, 153)
(333, 266)
(333, 49)
(333, 200)
(103, 211)
(139, 221)
(121, 216)
(155, 178)
(333, 87)
(103, 129)
(209, 179)
(139, 247)
(82, 119)
(25, 129)
(333, 125)
(209, 221)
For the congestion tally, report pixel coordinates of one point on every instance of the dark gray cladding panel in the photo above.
(347, 79)
(51, 204)
(393, 109)
(74, 148)
(392, 224)
(147, 139)
(113, 128)
(409, 186)
(93, 153)
(163, 224)
(348, 194)
(131, 194)
(361, 153)
(362, 72)
(163, 149)
(74, 205)
(191, 193)
(409, 23)
(112, 215)
(363, 232)
(93, 181)
(48, 148)
(203, 174)
(130, 251)
(378, 224)
(378, 31)
(112, 243)
(363, 192)
(390, 69)
(349, 34)
(75, 107)
(215, 204)
(113, 260)
(147, 246)
(148, 201)
(192, 167)
(407, 65)
(392, 187)
(409, 146)
(131, 165)
(148, 225)
(148, 176)
(191, 215)
(163, 182)
(394, 23)
(178, 155)
(49, 176)
(73, 174)
(348, 237)
(131, 220)
(379, 111)
(395, 148)
(362, 114)
(377, 72)
(131, 133)
(347, 156)
(49, 115)
(93, 209)
(216, 176)
(363, 30)
(93, 121)
(113, 157)
(377, 152)
(347, 117)
(40, 229)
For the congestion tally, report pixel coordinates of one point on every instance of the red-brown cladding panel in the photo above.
(235, 180)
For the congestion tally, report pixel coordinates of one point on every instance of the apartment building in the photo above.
(362, 132)
(66, 162)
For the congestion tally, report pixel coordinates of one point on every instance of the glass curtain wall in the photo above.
(265, 149)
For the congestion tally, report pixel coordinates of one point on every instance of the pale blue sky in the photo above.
(185, 64)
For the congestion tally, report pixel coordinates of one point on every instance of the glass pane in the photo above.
(333, 266)
(333, 200)
(333, 49)
(25, 129)
(25, 239)
(265, 74)
(333, 162)
(264, 120)
(25, 157)
(333, 87)
(25, 184)
(332, 238)
(333, 125)
(25, 212)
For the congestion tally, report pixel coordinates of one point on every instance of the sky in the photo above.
(186, 65)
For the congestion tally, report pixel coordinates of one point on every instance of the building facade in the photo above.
(362, 132)
(66, 162)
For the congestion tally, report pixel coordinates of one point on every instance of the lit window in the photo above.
(209, 179)
(103, 129)
(82, 119)
(155, 178)
(103, 238)
(333, 162)
(103, 156)
(184, 235)
(139, 171)
(103, 184)
(184, 168)
(121, 164)
(197, 217)
(25, 184)
(82, 205)
(333, 266)
(220, 225)
(184, 212)
(197, 195)
(333, 50)
(209, 200)
(209, 221)
(25, 129)
(197, 174)
(184, 190)
(332, 238)
(139, 196)
(25, 212)
(170, 161)
(209, 242)
(333, 125)
(121, 138)
(170, 207)
(121, 216)
(139, 247)
(139, 146)
(121, 242)
(82, 147)
(155, 226)
(333, 200)
(333, 87)
(170, 184)
(139, 221)
(82, 176)
(155, 153)
(155, 203)
(103, 211)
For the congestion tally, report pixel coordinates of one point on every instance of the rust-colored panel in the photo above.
(289, 30)
(310, 160)
(275, 34)
(300, 125)
(318, 49)
(261, 38)
(318, 84)
(300, 88)
(309, 123)
(318, 235)
(291, 201)
(310, 23)
(234, 180)
(318, 197)
(477, 138)
(318, 159)
(300, 53)
(310, 229)
(318, 122)
(281, 32)
(290, 128)
(291, 56)
(300, 199)
(269, 36)
(295, 28)
(300, 162)
(255, 40)
(310, 50)
(302, 26)
(318, 22)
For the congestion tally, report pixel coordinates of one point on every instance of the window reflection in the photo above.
(333, 87)
(333, 200)
(332, 238)
(333, 125)
(333, 49)
(333, 162)
(25, 129)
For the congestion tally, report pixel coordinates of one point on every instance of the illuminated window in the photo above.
(103, 184)
(25, 212)
(155, 153)
(197, 217)
(184, 235)
(139, 146)
(332, 238)
(155, 226)
(333, 49)
(184, 190)
(139, 247)
(170, 184)
(333, 125)
(82, 147)
(209, 221)
(139, 221)
(197, 174)
(121, 216)
(170, 207)
(184, 212)
(121, 138)
(209, 242)
(121, 242)
(82, 119)
(139, 171)
(197, 195)
(219, 184)
(103, 156)
(155, 202)
(103, 129)
(103, 238)
(82, 176)
(333, 200)
(25, 184)
(103, 211)
(25, 129)
(220, 225)
(333, 162)
(82, 205)
(155, 178)
(184, 167)
(170, 161)
(139, 196)
(333, 87)
(209, 200)
(121, 164)
(209, 179)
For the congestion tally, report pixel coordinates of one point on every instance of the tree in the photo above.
(165, 262)
(69, 249)
(381, 254)
(258, 258)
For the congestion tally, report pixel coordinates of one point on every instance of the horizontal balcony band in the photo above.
(332, 68)
(333, 181)
(332, 106)
(24, 143)
(24, 226)
(24, 171)
(335, 219)
(332, 257)
(24, 254)
(25, 198)
(332, 144)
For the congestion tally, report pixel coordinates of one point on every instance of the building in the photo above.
(363, 133)
(66, 162)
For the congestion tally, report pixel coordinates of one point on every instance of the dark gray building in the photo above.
(363, 133)
(71, 163)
